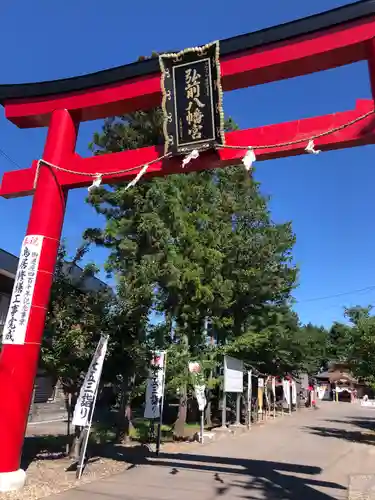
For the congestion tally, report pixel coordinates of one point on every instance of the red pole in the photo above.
(18, 363)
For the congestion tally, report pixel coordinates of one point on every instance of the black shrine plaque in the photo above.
(192, 99)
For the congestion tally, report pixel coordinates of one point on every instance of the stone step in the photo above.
(47, 411)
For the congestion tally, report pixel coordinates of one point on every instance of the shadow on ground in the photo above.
(363, 430)
(257, 478)
(366, 423)
(54, 447)
(271, 480)
(46, 447)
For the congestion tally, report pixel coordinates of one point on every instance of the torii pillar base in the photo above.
(12, 481)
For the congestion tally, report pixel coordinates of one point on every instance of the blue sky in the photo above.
(328, 197)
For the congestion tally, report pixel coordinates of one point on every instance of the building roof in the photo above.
(336, 375)
(9, 263)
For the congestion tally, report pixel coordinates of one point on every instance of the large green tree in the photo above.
(359, 340)
(314, 342)
(353, 343)
(194, 247)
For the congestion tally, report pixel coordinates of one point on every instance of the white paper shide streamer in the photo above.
(249, 159)
(95, 183)
(14, 331)
(155, 385)
(193, 155)
(310, 148)
(87, 394)
(137, 177)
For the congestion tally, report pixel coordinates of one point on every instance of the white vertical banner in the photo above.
(294, 392)
(87, 394)
(286, 390)
(199, 387)
(14, 331)
(266, 394)
(249, 386)
(195, 369)
(274, 388)
(249, 396)
(155, 385)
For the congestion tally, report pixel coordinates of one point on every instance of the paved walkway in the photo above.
(308, 456)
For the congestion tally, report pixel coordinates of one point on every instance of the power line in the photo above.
(368, 288)
(7, 157)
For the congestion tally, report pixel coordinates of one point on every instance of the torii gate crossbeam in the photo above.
(331, 39)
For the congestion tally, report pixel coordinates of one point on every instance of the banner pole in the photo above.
(224, 410)
(290, 397)
(202, 427)
(274, 396)
(265, 393)
(158, 440)
(69, 421)
(249, 395)
(87, 435)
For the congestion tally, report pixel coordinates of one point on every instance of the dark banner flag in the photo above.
(192, 99)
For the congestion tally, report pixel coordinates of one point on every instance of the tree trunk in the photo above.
(73, 441)
(208, 410)
(124, 417)
(75, 448)
(179, 426)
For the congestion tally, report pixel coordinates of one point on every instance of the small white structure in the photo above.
(368, 403)
(324, 391)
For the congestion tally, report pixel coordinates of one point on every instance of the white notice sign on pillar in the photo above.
(23, 290)
(233, 374)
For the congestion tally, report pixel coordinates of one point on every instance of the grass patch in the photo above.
(141, 430)
(103, 433)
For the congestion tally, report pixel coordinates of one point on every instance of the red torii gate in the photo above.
(328, 40)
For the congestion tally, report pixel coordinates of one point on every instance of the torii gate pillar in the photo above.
(18, 363)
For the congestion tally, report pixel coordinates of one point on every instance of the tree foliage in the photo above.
(201, 270)
(358, 339)
(76, 318)
(190, 247)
